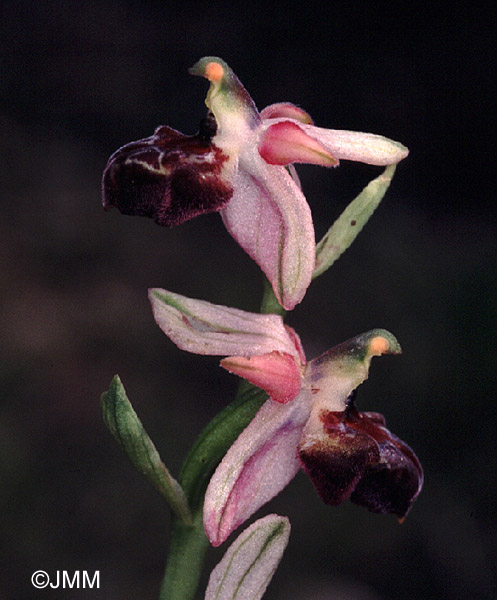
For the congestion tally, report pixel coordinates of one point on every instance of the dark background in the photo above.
(77, 80)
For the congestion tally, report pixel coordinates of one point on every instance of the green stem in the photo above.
(186, 557)
(188, 544)
(269, 302)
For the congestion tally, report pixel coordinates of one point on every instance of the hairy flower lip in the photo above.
(166, 168)
(366, 463)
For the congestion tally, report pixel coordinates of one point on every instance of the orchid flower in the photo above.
(310, 420)
(240, 163)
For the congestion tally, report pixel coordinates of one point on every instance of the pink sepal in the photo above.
(203, 328)
(270, 218)
(285, 142)
(276, 373)
(367, 148)
(256, 468)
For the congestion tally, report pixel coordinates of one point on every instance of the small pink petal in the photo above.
(276, 373)
(261, 462)
(367, 148)
(285, 142)
(294, 336)
(286, 110)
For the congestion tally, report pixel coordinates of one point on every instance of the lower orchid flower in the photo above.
(309, 422)
(240, 163)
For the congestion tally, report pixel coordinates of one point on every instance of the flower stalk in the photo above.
(189, 543)
(289, 413)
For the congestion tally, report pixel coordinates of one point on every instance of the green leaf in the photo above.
(350, 223)
(126, 427)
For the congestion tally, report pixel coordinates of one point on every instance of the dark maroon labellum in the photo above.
(170, 177)
(360, 459)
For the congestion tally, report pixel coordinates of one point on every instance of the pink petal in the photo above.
(204, 328)
(367, 148)
(276, 373)
(285, 142)
(294, 336)
(271, 220)
(261, 462)
(286, 110)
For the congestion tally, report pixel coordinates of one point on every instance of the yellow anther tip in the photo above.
(214, 71)
(378, 346)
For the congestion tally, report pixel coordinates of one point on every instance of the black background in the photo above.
(77, 80)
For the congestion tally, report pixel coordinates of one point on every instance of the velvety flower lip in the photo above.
(357, 457)
(170, 177)
(240, 163)
(309, 422)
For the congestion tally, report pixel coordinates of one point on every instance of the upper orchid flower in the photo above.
(309, 422)
(236, 164)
